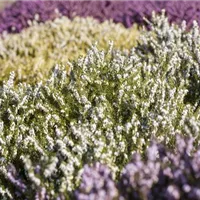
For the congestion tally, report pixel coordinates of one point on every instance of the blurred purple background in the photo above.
(126, 12)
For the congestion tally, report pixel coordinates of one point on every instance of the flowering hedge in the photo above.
(161, 174)
(33, 52)
(108, 105)
(16, 17)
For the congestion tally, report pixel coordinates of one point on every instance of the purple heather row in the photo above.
(162, 174)
(14, 18)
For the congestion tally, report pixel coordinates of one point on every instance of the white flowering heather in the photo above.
(108, 105)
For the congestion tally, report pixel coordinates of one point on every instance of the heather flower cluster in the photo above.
(37, 49)
(107, 106)
(16, 17)
(161, 174)
(97, 183)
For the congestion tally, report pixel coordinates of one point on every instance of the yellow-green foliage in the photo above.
(35, 50)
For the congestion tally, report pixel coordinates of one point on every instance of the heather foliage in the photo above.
(108, 105)
(160, 174)
(15, 18)
(32, 53)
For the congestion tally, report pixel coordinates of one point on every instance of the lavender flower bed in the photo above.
(162, 174)
(16, 17)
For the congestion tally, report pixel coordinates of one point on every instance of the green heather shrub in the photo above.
(108, 105)
(33, 52)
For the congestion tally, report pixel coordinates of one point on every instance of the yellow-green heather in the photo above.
(35, 50)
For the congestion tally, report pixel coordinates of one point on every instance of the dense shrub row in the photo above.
(160, 174)
(108, 105)
(16, 16)
(33, 52)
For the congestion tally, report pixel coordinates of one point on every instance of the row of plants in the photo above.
(106, 106)
(159, 174)
(32, 53)
(16, 16)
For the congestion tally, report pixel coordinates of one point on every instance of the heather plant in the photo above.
(163, 174)
(178, 48)
(15, 17)
(159, 174)
(97, 183)
(108, 105)
(32, 53)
